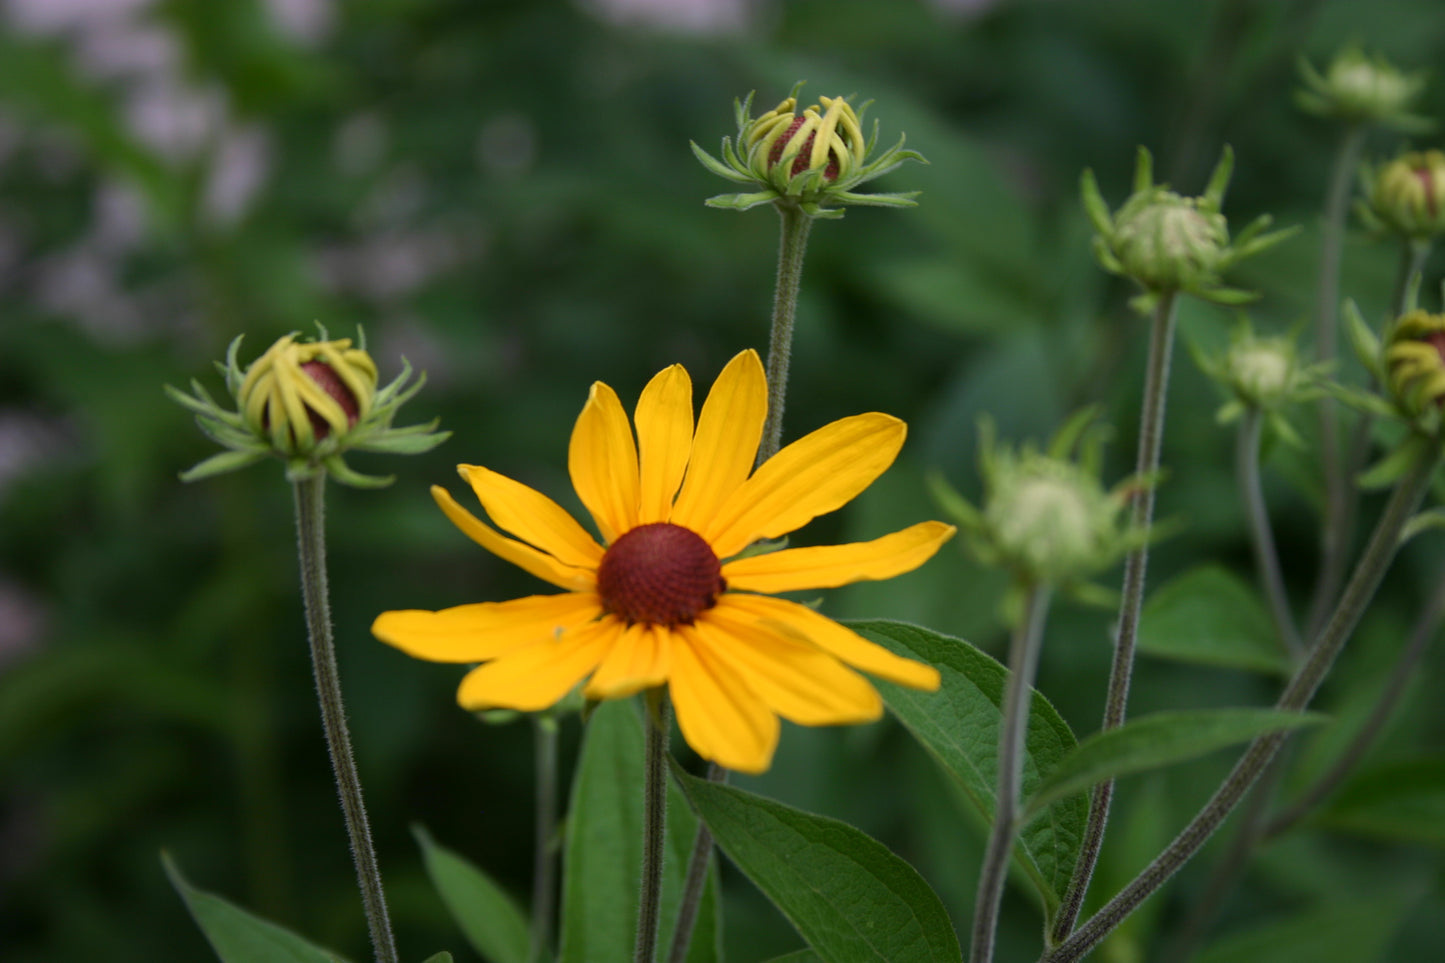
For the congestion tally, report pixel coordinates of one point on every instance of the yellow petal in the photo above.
(525, 557)
(539, 675)
(801, 622)
(814, 475)
(718, 714)
(726, 445)
(664, 440)
(533, 517)
(798, 681)
(828, 566)
(602, 459)
(476, 633)
(638, 661)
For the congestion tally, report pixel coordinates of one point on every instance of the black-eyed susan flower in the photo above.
(666, 596)
(308, 403)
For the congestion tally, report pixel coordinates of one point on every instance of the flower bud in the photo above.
(1262, 371)
(810, 161)
(302, 394)
(1360, 89)
(1168, 242)
(1415, 361)
(1407, 195)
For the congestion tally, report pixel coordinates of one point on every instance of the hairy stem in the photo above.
(1426, 626)
(654, 817)
(1151, 438)
(792, 245)
(1023, 661)
(696, 880)
(1296, 696)
(544, 858)
(1333, 539)
(1266, 558)
(311, 542)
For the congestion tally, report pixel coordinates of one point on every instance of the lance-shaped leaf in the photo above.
(491, 920)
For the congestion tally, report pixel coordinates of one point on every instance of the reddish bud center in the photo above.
(331, 383)
(659, 574)
(800, 163)
(1427, 183)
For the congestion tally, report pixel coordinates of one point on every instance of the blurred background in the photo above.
(502, 192)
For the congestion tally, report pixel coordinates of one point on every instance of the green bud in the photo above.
(812, 160)
(1407, 195)
(1360, 89)
(308, 403)
(1415, 365)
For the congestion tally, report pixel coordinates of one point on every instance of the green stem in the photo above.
(1266, 558)
(692, 887)
(1151, 437)
(1420, 638)
(792, 245)
(311, 541)
(654, 817)
(544, 862)
(1023, 661)
(1333, 538)
(1296, 696)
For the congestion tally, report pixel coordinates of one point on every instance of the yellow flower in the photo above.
(664, 598)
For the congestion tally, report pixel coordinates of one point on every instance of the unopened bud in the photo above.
(1407, 195)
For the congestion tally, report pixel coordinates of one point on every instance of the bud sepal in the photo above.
(308, 403)
(812, 160)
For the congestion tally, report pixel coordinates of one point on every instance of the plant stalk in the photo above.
(1333, 547)
(1023, 663)
(654, 818)
(544, 861)
(310, 497)
(1296, 697)
(1151, 437)
(1266, 557)
(692, 887)
(792, 245)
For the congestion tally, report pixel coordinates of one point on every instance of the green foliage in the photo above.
(239, 937)
(1402, 800)
(849, 897)
(959, 726)
(1346, 932)
(1152, 741)
(1210, 616)
(492, 922)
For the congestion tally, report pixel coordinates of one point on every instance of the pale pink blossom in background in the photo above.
(63, 16)
(307, 22)
(360, 144)
(507, 144)
(686, 16)
(174, 120)
(966, 8)
(127, 49)
(238, 171)
(23, 617)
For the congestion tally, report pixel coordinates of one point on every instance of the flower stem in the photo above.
(792, 245)
(544, 863)
(1333, 546)
(696, 879)
(1266, 558)
(1023, 661)
(1420, 638)
(1151, 437)
(311, 541)
(654, 817)
(1296, 696)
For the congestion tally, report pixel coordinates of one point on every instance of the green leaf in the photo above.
(1403, 801)
(801, 956)
(1162, 739)
(491, 920)
(1346, 932)
(1210, 616)
(602, 863)
(239, 937)
(442, 957)
(959, 726)
(849, 897)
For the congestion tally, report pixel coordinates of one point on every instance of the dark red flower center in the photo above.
(1428, 183)
(800, 163)
(331, 383)
(661, 574)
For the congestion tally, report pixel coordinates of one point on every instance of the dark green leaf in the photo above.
(492, 922)
(239, 937)
(603, 855)
(442, 957)
(1342, 933)
(849, 897)
(1402, 800)
(1162, 739)
(801, 956)
(959, 726)
(1210, 616)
